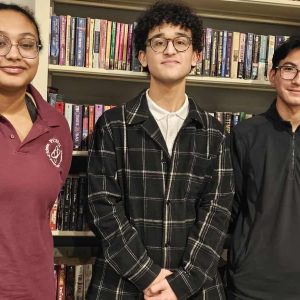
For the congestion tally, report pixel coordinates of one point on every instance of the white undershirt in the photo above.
(169, 123)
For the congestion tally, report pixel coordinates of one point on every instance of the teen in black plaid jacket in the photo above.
(160, 176)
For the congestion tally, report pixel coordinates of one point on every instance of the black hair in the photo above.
(27, 13)
(283, 50)
(169, 12)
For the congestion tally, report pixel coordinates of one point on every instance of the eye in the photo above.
(181, 41)
(288, 68)
(3, 43)
(158, 42)
(27, 44)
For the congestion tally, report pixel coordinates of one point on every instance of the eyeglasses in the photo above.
(288, 72)
(28, 48)
(159, 44)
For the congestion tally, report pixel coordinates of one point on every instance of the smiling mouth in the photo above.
(12, 70)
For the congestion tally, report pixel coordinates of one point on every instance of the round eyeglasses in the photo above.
(159, 44)
(27, 47)
(288, 72)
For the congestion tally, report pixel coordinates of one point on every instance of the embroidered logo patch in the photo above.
(54, 152)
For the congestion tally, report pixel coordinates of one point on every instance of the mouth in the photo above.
(170, 62)
(12, 69)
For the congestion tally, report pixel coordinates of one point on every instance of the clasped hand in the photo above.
(160, 289)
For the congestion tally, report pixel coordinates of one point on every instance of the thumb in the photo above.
(157, 287)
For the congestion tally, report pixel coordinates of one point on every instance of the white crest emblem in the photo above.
(54, 152)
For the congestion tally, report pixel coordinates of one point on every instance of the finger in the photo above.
(158, 287)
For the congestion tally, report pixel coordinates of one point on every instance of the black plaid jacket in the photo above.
(151, 210)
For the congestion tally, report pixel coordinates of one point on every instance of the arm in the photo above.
(206, 238)
(123, 250)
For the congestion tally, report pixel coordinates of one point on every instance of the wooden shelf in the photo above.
(61, 233)
(265, 11)
(72, 71)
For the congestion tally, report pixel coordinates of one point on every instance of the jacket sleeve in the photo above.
(237, 155)
(123, 250)
(206, 238)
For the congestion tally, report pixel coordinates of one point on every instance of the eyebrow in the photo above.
(176, 33)
(289, 63)
(21, 34)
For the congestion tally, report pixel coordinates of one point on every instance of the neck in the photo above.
(290, 113)
(11, 102)
(169, 97)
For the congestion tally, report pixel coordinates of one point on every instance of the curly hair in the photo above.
(169, 12)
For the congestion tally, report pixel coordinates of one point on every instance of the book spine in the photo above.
(108, 38)
(96, 44)
(112, 44)
(98, 111)
(248, 55)
(68, 39)
(85, 128)
(129, 47)
(241, 60)
(91, 43)
(262, 57)
(87, 42)
(77, 126)
(69, 114)
(117, 45)
(74, 204)
(72, 41)
(235, 54)
(124, 56)
(54, 47)
(62, 40)
(102, 55)
(80, 41)
(121, 46)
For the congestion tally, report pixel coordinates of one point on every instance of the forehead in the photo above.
(293, 57)
(15, 23)
(169, 30)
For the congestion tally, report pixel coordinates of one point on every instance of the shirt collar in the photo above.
(159, 113)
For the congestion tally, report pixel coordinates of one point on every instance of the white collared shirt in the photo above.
(169, 123)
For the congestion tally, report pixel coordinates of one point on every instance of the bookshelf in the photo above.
(89, 85)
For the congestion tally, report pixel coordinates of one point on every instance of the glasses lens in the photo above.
(181, 43)
(4, 45)
(288, 72)
(28, 48)
(158, 44)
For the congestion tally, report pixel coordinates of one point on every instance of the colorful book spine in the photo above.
(54, 44)
(102, 51)
(62, 39)
(96, 47)
(77, 126)
(80, 41)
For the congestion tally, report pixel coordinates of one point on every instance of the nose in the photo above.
(170, 48)
(297, 78)
(14, 52)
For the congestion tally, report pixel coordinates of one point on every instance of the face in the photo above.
(16, 72)
(169, 66)
(288, 91)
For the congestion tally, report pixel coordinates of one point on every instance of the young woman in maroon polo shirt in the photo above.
(35, 156)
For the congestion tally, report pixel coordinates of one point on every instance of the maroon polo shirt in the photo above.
(31, 174)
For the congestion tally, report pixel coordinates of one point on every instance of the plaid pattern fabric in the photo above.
(151, 210)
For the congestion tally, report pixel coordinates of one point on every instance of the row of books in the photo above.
(230, 119)
(234, 54)
(72, 282)
(92, 43)
(81, 118)
(67, 212)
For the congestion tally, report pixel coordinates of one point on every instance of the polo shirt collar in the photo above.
(137, 111)
(45, 112)
(159, 113)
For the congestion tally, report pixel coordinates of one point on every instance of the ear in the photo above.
(197, 56)
(142, 58)
(272, 74)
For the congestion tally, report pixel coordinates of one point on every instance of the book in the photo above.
(77, 126)
(54, 43)
(62, 40)
(80, 41)
(96, 47)
(103, 38)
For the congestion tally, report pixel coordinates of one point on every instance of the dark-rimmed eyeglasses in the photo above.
(27, 47)
(160, 44)
(288, 72)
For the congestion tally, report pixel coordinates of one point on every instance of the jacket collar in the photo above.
(45, 112)
(137, 111)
